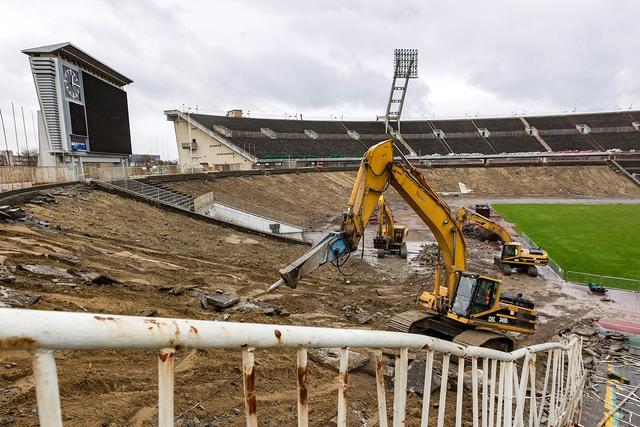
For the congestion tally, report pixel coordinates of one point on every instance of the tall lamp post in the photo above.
(405, 67)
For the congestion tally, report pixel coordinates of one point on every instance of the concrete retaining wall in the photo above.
(259, 223)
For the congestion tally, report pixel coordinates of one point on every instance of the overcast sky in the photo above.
(324, 58)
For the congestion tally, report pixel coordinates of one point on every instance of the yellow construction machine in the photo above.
(464, 307)
(391, 237)
(513, 255)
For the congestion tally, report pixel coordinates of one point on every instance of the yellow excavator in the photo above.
(513, 255)
(464, 307)
(391, 237)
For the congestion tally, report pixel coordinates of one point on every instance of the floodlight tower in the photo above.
(405, 68)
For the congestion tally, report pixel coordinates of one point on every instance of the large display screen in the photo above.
(107, 116)
(78, 122)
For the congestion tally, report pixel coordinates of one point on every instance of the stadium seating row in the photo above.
(507, 135)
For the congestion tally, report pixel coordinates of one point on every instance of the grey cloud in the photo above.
(335, 56)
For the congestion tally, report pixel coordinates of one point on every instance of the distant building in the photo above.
(84, 117)
(200, 145)
(144, 159)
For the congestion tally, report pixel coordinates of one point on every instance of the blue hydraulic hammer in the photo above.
(333, 246)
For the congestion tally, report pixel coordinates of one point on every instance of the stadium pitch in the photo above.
(595, 239)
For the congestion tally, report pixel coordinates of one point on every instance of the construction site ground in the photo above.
(164, 261)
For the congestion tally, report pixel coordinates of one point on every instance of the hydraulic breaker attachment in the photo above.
(332, 247)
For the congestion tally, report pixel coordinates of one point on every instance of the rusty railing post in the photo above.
(303, 396)
(249, 382)
(342, 388)
(382, 397)
(400, 388)
(165, 387)
(426, 394)
(47, 392)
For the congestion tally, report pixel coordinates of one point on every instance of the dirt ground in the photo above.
(313, 199)
(147, 248)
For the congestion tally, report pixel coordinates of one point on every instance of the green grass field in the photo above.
(596, 239)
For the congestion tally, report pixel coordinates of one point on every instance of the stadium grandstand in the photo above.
(237, 142)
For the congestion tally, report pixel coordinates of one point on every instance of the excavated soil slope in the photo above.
(148, 249)
(313, 199)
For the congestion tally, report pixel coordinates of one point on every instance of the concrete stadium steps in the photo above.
(329, 139)
(470, 145)
(425, 147)
(500, 125)
(622, 141)
(568, 142)
(167, 188)
(162, 195)
(630, 171)
(516, 144)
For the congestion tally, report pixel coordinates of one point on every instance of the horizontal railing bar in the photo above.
(38, 329)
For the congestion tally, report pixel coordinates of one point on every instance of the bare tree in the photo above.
(27, 158)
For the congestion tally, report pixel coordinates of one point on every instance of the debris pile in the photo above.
(44, 197)
(357, 313)
(599, 346)
(267, 309)
(218, 301)
(477, 232)
(16, 298)
(221, 300)
(5, 275)
(177, 289)
(429, 254)
(415, 377)
(90, 277)
(13, 213)
(66, 257)
(44, 270)
(17, 214)
(330, 358)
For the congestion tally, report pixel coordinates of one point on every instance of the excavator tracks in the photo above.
(484, 338)
(430, 323)
(404, 322)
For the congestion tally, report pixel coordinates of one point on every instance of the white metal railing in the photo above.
(601, 279)
(155, 193)
(506, 387)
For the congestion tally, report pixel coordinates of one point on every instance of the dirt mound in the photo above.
(161, 264)
(316, 198)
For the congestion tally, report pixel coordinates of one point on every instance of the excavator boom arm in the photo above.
(378, 171)
(385, 218)
(484, 222)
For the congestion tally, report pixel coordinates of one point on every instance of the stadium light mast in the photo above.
(405, 68)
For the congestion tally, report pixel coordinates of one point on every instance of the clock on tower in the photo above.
(71, 79)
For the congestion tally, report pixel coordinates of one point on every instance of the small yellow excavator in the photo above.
(463, 307)
(391, 237)
(513, 254)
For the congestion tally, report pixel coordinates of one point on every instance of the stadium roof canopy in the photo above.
(74, 54)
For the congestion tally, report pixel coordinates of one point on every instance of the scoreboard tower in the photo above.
(84, 114)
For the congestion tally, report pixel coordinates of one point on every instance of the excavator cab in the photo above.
(474, 294)
(510, 249)
(478, 300)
